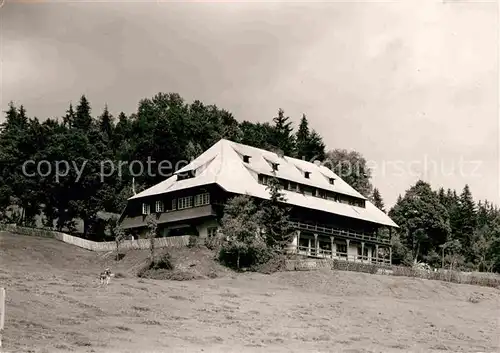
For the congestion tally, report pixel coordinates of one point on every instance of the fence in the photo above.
(474, 278)
(2, 313)
(139, 244)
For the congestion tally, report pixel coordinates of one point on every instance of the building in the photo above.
(329, 217)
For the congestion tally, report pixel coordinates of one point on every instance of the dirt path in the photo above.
(55, 305)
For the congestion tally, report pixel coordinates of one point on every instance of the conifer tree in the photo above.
(309, 145)
(377, 200)
(282, 136)
(275, 217)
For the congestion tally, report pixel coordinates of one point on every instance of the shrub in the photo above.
(164, 263)
(214, 243)
(249, 257)
(194, 241)
(275, 263)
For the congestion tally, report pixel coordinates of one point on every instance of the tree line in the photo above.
(166, 127)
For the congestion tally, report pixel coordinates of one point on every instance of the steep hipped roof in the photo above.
(223, 164)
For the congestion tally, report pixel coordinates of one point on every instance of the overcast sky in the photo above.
(406, 83)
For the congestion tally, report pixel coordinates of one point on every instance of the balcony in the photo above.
(338, 232)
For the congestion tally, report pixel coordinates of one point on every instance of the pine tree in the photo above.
(442, 197)
(282, 136)
(240, 225)
(69, 118)
(309, 145)
(316, 147)
(82, 119)
(18, 144)
(377, 200)
(302, 138)
(467, 220)
(278, 233)
(106, 124)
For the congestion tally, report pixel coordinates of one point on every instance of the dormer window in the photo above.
(275, 166)
(307, 174)
(186, 175)
(246, 159)
(146, 209)
(332, 180)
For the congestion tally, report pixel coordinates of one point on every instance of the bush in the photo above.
(275, 263)
(249, 257)
(194, 241)
(163, 263)
(214, 243)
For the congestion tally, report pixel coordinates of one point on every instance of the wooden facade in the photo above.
(316, 233)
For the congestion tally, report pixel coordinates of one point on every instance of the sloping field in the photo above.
(54, 304)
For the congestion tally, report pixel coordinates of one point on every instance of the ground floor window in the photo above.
(323, 245)
(365, 251)
(342, 250)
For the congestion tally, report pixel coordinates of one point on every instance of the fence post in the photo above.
(2, 313)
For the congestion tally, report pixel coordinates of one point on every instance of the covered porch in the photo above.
(320, 245)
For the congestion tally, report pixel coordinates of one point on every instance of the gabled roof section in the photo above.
(223, 164)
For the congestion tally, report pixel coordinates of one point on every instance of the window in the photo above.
(185, 202)
(292, 186)
(332, 180)
(275, 166)
(246, 159)
(159, 206)
(145, 208)
(342, 250)
(202, 199)
(308, 190)
(365, 250)
(321, 193)
(186, 175)
(212, 232)
(174, 204)
(263, 179)
(306, 174)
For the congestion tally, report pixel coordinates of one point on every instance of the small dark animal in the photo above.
(105, 276)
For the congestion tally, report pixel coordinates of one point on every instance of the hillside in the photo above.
(55, 305)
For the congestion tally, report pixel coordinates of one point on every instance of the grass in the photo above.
(322, 310)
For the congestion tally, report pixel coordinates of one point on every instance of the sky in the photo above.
(411, 85)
